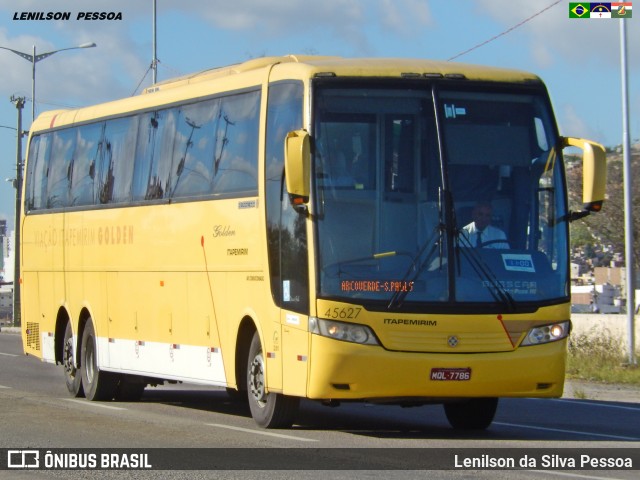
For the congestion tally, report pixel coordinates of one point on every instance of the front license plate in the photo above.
(451, 374)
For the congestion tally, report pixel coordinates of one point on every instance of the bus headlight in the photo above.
(547, 333)
(347, 332)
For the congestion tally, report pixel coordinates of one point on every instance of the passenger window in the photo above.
(154, 154)
(193, 156)
(84, 180)
(116, 160)
(37, 176)
(235, 165)
(60, 168)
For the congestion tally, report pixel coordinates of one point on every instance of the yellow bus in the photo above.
(300, 227)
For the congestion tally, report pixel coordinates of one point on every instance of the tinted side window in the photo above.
(185, 151)
(37, 172)
(235, 166)
(115, 166)
(60, 168)
(286, 229)
(84, 184)
(154, 154)
(194, 149)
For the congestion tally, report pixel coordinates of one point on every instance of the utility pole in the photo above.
(19, 103)
(154, 61)
(628, 203)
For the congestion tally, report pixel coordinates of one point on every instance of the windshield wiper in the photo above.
(497, 290)
(375, 256)
(398, 297)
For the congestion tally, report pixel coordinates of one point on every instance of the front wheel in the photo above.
(472, 414)
(269, 410)
(97, 384)
(72, 376)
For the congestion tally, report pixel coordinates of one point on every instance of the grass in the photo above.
(598, 356)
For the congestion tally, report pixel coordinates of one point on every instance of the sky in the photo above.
(578, 59)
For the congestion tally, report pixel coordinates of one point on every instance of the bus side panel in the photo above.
(154, 331)
(30, 305)
(201, 311)
(123, 300)
(295, 353)
(42, 246)
(88, 291)
(51, 296)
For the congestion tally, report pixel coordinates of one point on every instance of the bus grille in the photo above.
(469, 342)
(33, 335)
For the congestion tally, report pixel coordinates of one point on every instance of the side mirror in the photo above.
(297, 166)
(594, 172)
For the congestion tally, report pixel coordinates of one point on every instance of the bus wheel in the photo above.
(72, 376)
(269, 410)
(97, 384)
(473, 414)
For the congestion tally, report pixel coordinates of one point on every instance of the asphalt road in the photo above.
(36, 412)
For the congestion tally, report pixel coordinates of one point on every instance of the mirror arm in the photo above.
(573, 216)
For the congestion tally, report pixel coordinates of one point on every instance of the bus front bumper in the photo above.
(346, 371)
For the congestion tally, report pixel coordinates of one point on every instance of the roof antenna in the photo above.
(154, 61)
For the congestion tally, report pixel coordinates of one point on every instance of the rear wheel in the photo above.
(269, 410)
(72, 375)
(472, 414)
(97, 384)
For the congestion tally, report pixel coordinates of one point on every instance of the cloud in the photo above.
(572, 123)
(404, 17)
(353, 22)
(567, 40)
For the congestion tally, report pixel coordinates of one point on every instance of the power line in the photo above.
(505, 32)
(142, 80)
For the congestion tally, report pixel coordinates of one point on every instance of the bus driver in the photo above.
(480, 233)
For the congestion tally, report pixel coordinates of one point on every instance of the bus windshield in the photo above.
(433, 195)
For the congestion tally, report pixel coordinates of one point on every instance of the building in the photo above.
(6, 276)
(4, 244)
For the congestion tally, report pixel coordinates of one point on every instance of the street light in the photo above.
(33, 58)
(17, 183)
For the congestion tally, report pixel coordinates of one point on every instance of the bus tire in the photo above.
(97, 384)
(269, 410)
(72, 376)
(472, 414)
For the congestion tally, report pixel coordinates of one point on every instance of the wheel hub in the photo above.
(256, 379)
(69, 367)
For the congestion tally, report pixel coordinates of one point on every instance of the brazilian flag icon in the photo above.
(579, 10)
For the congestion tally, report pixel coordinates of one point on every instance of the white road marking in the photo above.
(261, 432)
(8, 354)
(93, 404)
(573, 432)
(2, 386)
(593, 403)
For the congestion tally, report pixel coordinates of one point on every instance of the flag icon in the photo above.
(621, 10)
(600, 10)
(579, 10)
